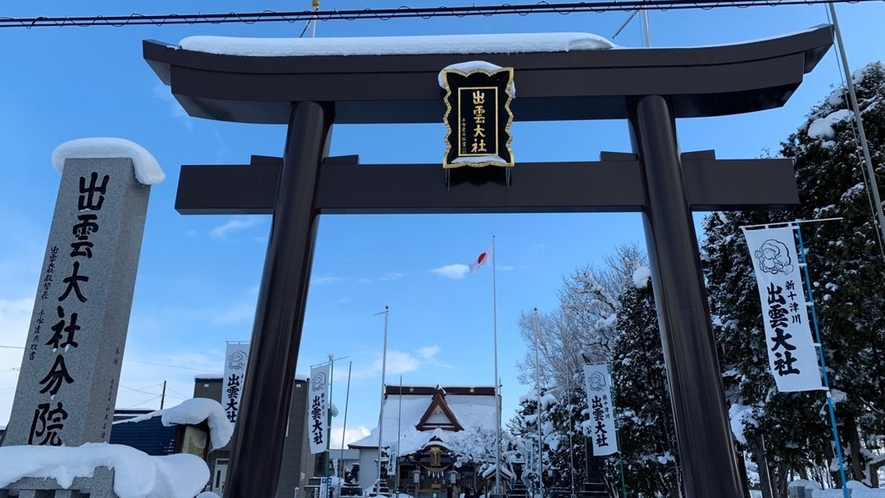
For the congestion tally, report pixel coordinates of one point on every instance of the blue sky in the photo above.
(198, 276)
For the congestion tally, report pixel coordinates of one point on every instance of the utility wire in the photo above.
(397, 13)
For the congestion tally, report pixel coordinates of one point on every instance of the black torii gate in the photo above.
(650, 88)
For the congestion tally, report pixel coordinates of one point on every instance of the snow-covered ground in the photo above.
(136, 474)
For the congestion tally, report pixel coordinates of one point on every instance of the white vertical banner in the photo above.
(235, 359)
(392, 457)
(319, 407)
(791, 354)
(597, 383)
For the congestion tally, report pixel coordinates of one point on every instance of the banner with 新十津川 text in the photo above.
(791, 354)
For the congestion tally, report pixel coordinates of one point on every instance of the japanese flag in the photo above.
(482, 259)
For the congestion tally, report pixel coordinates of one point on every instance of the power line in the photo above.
(397, 13)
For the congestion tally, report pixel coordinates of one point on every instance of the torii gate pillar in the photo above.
(689, 345)
(309, 93)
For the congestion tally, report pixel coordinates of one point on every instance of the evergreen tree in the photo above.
(566, 442)
(789, 432)
(646, 427)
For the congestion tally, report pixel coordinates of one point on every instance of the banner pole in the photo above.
(823, 367)
(329, 419)
(618, 436)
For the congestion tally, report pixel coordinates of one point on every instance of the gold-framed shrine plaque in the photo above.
(478, 116)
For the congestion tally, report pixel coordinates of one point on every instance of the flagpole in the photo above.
(399, 429)
(344, 427)
(497, 384)
(538, 415)
(329, 417)
(386, 314)
(823, 365)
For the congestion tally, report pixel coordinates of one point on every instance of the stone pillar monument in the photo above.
(70, 371)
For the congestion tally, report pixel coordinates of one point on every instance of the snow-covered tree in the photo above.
(789, 432)
(647, 432)
(525, 427)
(582, 328)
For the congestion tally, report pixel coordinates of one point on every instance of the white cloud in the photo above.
(455, 271)
(398, 362)
(391, 276)
(507, 268)
(143, 374)
(235, 225)
(235, 313)
(164, 93)
(325, 280)
(15, 317)
(429, 351)
(351, 434)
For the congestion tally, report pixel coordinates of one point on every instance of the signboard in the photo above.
(319, 408)
(597, 383)
(234, 372)
(791, 354)
(478, 115)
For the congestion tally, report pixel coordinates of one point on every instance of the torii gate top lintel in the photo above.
(580, 84)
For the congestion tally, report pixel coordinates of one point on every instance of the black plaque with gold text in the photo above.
(478, 117)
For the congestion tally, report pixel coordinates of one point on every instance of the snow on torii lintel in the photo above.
(147, 169)
(511, 43)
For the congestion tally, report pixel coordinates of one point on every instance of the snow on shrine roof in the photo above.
(397, 45)
(471, 410)
(147, 169)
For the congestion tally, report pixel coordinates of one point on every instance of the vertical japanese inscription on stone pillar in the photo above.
(69, 376)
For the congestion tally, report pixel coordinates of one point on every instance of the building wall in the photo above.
(297, 465)
(296, 461)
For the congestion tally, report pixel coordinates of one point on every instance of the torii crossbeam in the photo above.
(650, 88)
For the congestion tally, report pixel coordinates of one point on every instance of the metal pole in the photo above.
(646, 41)
(329, 419)
(257, 445)
(538, 415)
(399, 429)
(861, 135)
(571, 429)
(697, 395)
(497, 383)
(386, 314)
(344, 427)
(823, 365)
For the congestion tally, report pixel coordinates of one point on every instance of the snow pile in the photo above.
(136, 474)
(823, 127)
(467, 67)
(740, 416)
(147, 169)
(856, 490)
(641, 277)
(192, 412)
(396, 45)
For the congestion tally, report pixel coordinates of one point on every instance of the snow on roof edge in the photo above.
(147, 169)
(397, 45)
